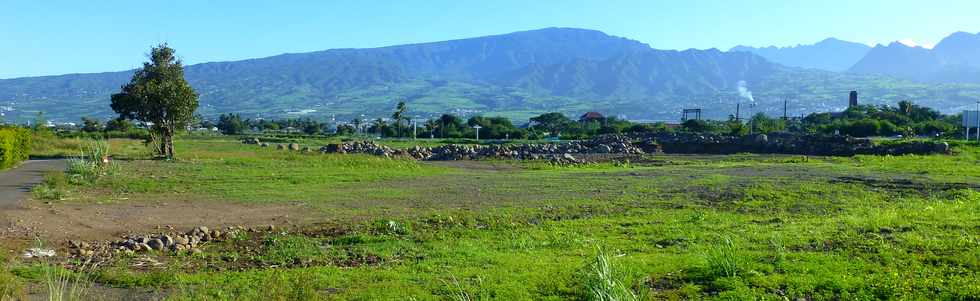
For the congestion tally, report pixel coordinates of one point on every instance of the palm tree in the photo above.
(398, 116)
(905, 107)
(380, 124)
(432, 125)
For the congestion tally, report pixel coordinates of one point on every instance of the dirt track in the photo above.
(15, 184)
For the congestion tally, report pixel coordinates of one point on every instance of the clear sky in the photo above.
(46, 37)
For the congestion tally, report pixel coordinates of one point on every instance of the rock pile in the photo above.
(559, 152)
(359, 147)
(184, 242)
(251, 141)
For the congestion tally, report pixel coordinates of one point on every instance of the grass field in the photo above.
(661, 228)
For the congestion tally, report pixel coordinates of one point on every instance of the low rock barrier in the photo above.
(678, 143)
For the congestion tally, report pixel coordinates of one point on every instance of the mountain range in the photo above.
(517, 75)
(955, 59)
(830, 54)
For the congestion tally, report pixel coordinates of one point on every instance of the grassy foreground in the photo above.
(665, 227)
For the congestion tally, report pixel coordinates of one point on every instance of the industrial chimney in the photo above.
(853, 100)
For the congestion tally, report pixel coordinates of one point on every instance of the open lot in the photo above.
(671, 226)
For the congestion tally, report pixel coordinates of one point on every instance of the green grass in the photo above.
(50, 146)
(669, 227)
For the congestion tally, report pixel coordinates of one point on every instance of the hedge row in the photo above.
(15, 145)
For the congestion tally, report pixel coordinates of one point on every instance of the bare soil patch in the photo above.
(62, 221)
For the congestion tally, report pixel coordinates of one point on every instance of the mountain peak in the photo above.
(829, 54)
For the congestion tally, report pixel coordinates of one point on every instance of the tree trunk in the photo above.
(165, 148)
(169, 144)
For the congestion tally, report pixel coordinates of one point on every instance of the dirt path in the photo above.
(21, 218)
(15, 184)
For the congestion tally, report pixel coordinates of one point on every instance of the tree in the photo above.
(451, 126)
(159, 95)
(380, 125)
(231, 124)
(311, 127)
(91, 125)
(432, 125)
(764, 124)
(695, 125)
(345, 129)
(357, 124)
(552, 122)
(398, 116)
(118, 125)
(40, 123)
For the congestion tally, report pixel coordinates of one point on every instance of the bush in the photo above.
(15, 145)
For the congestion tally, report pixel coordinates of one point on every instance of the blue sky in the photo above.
(57, 37)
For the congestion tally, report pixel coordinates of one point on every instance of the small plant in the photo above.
(779, 250)
(723, 259)
(605, 284)
(53, 187)
(697, 216)
(458, 293)
(64, 284)
(91, 164)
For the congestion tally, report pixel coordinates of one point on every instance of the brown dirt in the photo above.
(58, 222)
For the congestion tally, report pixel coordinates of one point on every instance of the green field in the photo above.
(670, 227)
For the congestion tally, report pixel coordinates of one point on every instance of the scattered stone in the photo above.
(167, 240)
(156, 244)
(38, 253)
(294, 147)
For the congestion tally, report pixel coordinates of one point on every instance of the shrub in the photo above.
(91, 164)
(15, 144)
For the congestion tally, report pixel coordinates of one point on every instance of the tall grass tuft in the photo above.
(605, 284)
(723, 259)
(62, 284)
(91, 164)
(458, 293)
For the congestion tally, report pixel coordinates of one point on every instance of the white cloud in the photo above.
(913, 43)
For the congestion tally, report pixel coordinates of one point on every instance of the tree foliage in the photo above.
(159, 95)
(906, 118)
(231, 124)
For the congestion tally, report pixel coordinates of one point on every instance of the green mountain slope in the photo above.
(518, 75)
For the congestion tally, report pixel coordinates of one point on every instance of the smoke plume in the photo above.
(744, 92)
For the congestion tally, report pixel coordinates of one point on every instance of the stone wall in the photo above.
(676, 143)
(782, 143)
